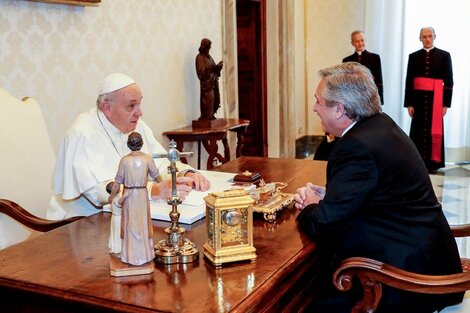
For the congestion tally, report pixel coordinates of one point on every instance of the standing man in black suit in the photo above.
(378, 202)
(428, 94)
(366, 58)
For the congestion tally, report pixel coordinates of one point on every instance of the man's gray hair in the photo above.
(352, 85)
(427, 27)
(104, 97)
(356, 32)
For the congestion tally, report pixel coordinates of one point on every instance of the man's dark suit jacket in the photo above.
(372, 62)
(380, 204)
(324, 149)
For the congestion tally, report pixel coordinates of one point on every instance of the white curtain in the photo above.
(392, 29)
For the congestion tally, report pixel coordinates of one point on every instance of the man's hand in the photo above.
(308, 195)
(163, 190)
(200, 182)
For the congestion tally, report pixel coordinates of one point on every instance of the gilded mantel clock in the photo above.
(229, 222)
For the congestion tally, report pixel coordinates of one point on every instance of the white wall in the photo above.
(328, 40)
(314, 34)
(59, 55)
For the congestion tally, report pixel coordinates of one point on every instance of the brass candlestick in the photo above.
(175, 248)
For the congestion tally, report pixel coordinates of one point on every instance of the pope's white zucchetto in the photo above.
(115, 82)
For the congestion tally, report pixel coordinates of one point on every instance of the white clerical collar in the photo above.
(348, 128)
(117, 138)
(110, 128)
(428, 49)
(360, 52)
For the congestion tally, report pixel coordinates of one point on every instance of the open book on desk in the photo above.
(193, 207)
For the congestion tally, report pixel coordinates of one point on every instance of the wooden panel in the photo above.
(251, 74)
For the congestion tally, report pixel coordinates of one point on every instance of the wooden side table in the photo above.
(209, 136)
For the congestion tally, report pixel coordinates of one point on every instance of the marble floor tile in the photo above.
(452, 188)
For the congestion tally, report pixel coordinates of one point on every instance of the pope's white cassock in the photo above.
(88, 159)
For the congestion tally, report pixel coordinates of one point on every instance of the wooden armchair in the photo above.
(26, 169)
(372, 274)
(19, 214)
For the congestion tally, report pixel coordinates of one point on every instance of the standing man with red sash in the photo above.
(428, 94)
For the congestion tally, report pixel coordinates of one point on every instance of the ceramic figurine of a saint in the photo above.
(136, 224)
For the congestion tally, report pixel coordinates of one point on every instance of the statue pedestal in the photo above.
(209, 123)
(120, 269)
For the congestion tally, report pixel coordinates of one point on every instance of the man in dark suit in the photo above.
(428, 94)
(378, 202)
(366, 58)
(325, 147)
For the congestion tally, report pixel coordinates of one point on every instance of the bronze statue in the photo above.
(208, 73)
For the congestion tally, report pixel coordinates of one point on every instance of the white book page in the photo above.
(193, 207)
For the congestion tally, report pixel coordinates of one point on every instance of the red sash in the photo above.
(436, 85)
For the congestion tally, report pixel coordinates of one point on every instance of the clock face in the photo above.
(234, 227)
(232, 218)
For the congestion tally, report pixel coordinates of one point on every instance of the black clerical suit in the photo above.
(372, 62)
(435, 64)
(380, 204)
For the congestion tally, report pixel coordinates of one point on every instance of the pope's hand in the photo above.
(163, 190)
(199, 181)
(307, 195)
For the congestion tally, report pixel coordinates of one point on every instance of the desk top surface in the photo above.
(72, 262)
(230, 123)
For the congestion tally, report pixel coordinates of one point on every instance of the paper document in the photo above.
(193, 207)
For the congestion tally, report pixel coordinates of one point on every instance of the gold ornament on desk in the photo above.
(269, 199)
(229, 222)
(175, 248)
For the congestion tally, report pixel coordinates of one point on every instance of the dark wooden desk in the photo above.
(66, 270)
(209, 137)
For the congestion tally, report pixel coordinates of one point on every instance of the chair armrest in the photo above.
(461, 230)
(372, 274)
(29, 220)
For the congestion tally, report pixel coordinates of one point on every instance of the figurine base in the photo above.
(228, 255)
(209, 123)
(121, 269)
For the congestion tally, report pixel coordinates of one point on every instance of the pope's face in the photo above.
(123, 108)
(427, 38)
(358, 41)
(328, 115)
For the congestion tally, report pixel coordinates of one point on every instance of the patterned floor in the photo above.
(452, 187)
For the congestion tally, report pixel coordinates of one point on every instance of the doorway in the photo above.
(251, 57)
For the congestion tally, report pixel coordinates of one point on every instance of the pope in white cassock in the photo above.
(90, 152)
